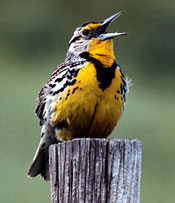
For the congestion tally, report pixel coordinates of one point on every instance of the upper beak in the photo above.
(105, 24)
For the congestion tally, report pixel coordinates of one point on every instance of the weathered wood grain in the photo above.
(95, 171)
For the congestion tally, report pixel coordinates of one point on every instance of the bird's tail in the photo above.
(40, 163)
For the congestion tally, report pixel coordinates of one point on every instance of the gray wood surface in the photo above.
(95, 171)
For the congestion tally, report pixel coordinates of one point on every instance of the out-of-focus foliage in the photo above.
(33, 39)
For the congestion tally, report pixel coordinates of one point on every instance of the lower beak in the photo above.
(105, 24)
(111, 35)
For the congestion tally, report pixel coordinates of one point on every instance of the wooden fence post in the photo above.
(95, 171)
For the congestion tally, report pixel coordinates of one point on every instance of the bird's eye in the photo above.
(86, 32)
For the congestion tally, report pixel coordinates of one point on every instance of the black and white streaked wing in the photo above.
(44, 92)
(124, 87)
(62, 77)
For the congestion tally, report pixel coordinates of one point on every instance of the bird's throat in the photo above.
(102, 51)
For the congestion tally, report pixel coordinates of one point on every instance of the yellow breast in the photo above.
(88, 110)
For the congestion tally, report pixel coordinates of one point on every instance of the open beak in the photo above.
(105, 24)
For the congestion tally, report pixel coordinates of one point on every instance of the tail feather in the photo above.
(40, 164)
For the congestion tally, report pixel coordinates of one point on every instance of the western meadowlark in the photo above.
(84, 96)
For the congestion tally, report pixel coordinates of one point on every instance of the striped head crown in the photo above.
(87, 32)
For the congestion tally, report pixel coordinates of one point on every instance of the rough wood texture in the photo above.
(96, 171)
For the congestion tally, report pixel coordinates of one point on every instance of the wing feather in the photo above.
(57, 82)
(45, 91)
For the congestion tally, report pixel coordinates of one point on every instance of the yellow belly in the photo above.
(88, 110)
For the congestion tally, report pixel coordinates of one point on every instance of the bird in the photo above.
(85, 96)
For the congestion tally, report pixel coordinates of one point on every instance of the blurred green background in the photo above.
(34, 38)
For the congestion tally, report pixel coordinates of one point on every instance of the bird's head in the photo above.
(92, 40)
